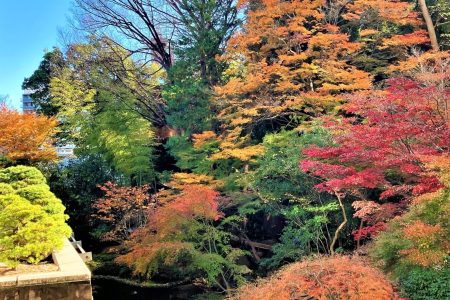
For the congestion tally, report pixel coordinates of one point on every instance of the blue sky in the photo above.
(27, 28)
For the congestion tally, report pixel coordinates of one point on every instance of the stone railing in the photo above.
(72, 281)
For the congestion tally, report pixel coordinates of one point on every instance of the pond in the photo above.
(104, 289)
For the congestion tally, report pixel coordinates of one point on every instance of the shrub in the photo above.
(32, 219)
(426, 284)
(21, 176)
(418, 238)
(40, 194)
(337, 277)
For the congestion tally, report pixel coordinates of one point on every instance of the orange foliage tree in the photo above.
(122, 210)
(181, 236)
(324, 278)
(293, 59)
(26, 137)
(164, 234)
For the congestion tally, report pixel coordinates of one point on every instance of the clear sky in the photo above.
(27, 28)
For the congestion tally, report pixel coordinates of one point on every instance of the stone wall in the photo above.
(72, 281)
(59, 291)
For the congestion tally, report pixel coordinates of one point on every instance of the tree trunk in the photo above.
(341, 226)
(358, 242)
(430, 25)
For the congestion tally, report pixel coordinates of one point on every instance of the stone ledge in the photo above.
(71, 269)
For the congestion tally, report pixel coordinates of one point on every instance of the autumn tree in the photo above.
(122, 210)
(419, 237)
(378, 155)
(180, 236)
(294, 59)
(414, 247)
(26, 138)
(75, 183)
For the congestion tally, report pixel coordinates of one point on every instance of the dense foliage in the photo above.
(220, 140)
(32, 219)
(322, 278)
(26, 138)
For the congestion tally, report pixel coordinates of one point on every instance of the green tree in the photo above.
(39, 82)
(123, 138)
(100, 104)
(75, 183)
(440, 12)
(285, 191)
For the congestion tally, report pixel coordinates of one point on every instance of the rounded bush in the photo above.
(32, 219)
(5, 189)
(40, 194)
(28, 233)
(337, 277)
(21, 176)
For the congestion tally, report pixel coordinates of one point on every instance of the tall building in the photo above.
(27, 102)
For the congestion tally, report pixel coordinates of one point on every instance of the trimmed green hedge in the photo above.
(32, 219)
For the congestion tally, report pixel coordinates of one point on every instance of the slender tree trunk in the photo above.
(430, 25)
(358, 242)
(341, 226)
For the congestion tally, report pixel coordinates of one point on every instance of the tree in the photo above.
(180, 237)
(138, 21)
(293, 61)
(101, 65)
(430, 25)
(26, 138)
(379, 151)
(322, 278)
(152, 28)
(75, 183)
(123, 138)
(187, 92)
(39, 81)
(283, 193)
(440, 12)
(101, 103)
(32, 219)
(414, 247)
(206, 27)
(122, 210)
(419, 237)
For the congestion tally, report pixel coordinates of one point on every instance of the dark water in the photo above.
(104, 289)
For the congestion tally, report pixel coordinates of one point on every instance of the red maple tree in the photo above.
(380, 145)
